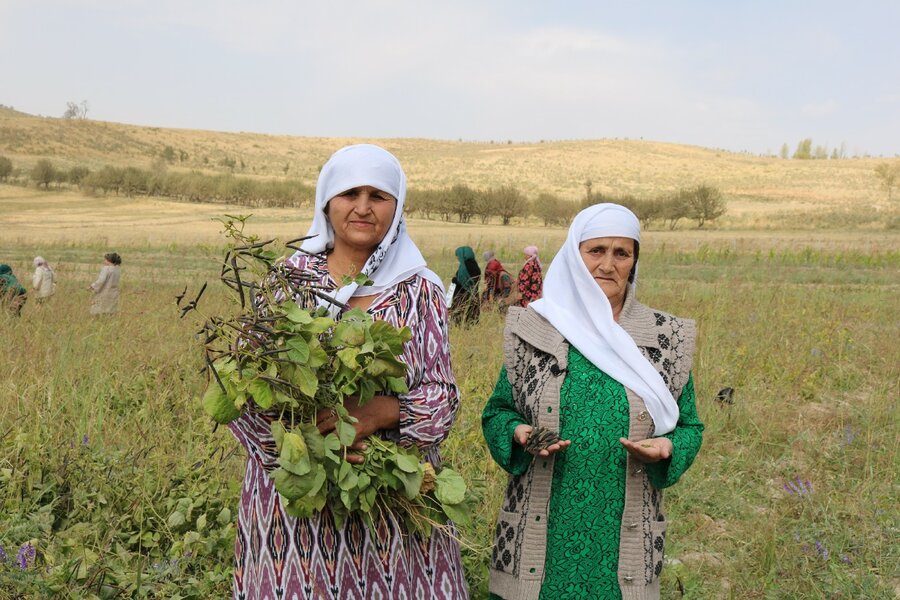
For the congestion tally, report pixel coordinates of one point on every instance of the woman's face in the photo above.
(609, 261)
(361, 216)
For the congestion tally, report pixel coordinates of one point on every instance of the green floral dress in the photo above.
(589, 477)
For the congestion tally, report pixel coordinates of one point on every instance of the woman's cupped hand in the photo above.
(650, 450)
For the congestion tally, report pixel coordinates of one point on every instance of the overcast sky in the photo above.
(734, 75)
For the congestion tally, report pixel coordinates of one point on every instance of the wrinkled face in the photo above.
(361, 217)
(609, 261)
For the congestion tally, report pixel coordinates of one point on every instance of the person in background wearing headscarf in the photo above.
(106, 289)
(604, 384)
(530, 280)
(43, 282)
(12, 294)
(359, 228)
(497, 281)
(466, 304)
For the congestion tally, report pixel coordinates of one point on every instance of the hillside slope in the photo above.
(614, 167)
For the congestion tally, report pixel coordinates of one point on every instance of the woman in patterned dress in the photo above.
(530, 280)
(358, 227)
(582, 517)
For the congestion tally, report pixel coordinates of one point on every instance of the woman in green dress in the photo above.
(601, 387)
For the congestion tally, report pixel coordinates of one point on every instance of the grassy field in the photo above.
(103, 441)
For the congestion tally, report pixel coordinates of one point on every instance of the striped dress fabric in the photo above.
(278, 556)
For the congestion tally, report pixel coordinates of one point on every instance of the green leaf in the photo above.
(397, 385)
(306, 380)
(278, 432)
(319, 325)
(218, 406)
(297, 314)
(348, 356)
(290, 485)
(450, 487)
(457, 514)
(224, 517)
(346, 432)
(366, 391)
(225, 366)
(299, 349)
(175, 520)
(315, 443)
(408, 463)
(349, 334)
(294, 455)
(412, 483)
(317, 355)
(262, 393)
(201, 523)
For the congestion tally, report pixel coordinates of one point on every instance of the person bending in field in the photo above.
(592, 416)
(12, 294)
(465, 306)
(358, 227)
(497, 281)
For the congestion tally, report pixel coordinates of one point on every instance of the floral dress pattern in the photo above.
(279, 556)
(588, 495)
(531, 282)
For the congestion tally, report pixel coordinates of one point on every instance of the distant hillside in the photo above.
(615, 167)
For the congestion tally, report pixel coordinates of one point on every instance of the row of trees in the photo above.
(806, 151)
(192, 187)
(462, 203)
(457, 203)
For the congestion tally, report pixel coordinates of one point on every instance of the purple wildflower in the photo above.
(822, 550)
(25, 556)
(846, 559)
(799, 487)
(3, 555)
(85, 440)
(849, 434)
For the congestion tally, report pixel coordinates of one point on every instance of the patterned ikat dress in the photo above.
(278, 556)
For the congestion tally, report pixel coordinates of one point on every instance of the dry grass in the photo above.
(760, 190)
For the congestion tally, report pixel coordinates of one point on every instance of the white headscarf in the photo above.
(396, 258)
(578, 308)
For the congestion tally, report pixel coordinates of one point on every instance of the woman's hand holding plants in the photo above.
(381, 412)
(650, 450)
(523, 433)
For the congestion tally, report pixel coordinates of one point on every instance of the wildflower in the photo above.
(849, 434)
(822, 550)
(3, 555)
(799, 487)
(25, 556)
(846, 559)
(85, 440)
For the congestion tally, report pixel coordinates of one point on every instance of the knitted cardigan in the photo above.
(536, 356)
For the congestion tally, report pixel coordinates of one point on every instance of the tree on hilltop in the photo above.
(804, 149)
(889, 174)
(76, 110)
(6, 168)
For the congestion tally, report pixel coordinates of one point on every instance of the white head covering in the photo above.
(396, 258)
(39, 261)
(580, 311)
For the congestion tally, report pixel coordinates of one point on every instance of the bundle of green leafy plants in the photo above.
(288, 362)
